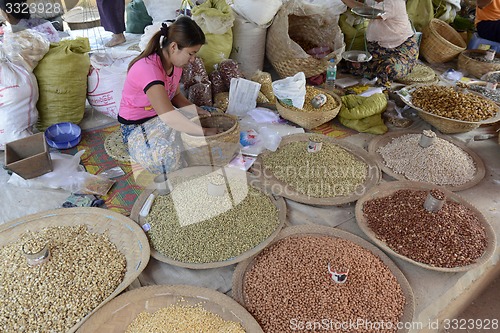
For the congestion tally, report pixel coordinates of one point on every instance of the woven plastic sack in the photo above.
(218, 45)
(62, 82)
(420, 12)
(137, 17)
(18, 97)
(298, 27)
(354, 30)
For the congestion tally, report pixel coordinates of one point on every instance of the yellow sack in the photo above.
(355, 31)
(420, 12)
(364, 114)
(62, 82)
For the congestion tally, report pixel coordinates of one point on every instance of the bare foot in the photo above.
(117, 39)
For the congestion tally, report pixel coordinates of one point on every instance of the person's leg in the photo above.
(112, 14)
(489, 30)
(396, 63)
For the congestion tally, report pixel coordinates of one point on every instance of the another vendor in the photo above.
(390, 40)
(150, 122)
(488, 19)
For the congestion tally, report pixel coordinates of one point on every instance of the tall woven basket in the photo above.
(217, 149)
(295, 30)
(440, 42)
(471, 62)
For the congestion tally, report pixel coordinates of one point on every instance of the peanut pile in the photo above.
(83, 270)
(288, 283)
(449, 103)
(450, 237)
(182, 318)
(330, 172)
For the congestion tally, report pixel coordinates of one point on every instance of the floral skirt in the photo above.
(154, 145)
(386, 64)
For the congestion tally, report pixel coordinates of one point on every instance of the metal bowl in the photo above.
(357, 56)
(367, 12)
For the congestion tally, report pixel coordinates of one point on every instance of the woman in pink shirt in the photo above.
(390, 40)
(153, 111)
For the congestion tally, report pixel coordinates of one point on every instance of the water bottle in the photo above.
(331, 73)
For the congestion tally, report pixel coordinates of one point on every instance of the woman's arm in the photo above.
(167, 113)
(483, 3)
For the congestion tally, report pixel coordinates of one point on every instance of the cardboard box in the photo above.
(28, 157)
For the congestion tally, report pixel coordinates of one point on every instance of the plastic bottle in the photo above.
(331, 73)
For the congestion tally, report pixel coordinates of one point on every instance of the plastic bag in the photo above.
(266, 82)
(229, 70)
(218, 85)
(291, 90)
(214, 16)
(25, 48)
(194, 72)
(201, 94)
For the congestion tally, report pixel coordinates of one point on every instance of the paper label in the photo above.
(146, 227)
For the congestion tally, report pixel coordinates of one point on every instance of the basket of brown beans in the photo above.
(426, 225)
(450, 109)
(476, 62)
(311, 272)
(319, 107)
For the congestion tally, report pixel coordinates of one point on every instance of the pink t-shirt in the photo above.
(144, 73)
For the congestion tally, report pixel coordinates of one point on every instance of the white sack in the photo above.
(260, 12)
(162, 10)
(149, 32)
(249, 45)
(18, 98)
(106, 80)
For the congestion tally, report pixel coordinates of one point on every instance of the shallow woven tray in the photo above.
(269, 181)
(310, 120)
(443, 124)
(115, 316)
(199, 170)
(115, 147)
(381, 141)
(316, 230)
(420, 74)
(121, 231)
(385, 189)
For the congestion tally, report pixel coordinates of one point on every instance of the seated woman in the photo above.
(17, 14)
(488, 19)
(390, 40)
(150, 122)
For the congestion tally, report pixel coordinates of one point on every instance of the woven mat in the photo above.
(334, 129)
(128, 187)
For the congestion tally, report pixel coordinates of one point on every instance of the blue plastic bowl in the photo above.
(63, 135)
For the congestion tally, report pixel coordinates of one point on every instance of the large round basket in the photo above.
(471, 62)
(239, 277)
(277, 187)
(383, 140)
(309, 119)
(297, 28)
(231, 173)
(127, 236)
(82, 18)
(443, 124)
(117, 315)
(440, 42)
(217, 149)
(388, 188)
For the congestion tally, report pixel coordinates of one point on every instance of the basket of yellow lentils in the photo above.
(172, 308)
(319, 107)
(450, 109)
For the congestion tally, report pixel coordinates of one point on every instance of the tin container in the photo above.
(314, 146)
(489, 55)
(318, 101)
(38, 256)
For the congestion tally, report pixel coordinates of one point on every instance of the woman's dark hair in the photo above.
(15, 8)
(184, 31)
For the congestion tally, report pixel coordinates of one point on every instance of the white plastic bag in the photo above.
(105, 81)
(291, 90)
(18, 98)
(261, 12)
(25, 48)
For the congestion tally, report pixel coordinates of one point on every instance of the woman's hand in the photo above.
(202, 112)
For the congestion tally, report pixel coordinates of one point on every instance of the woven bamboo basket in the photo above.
(118, 314)
(420, 74)
(440, 42)
(383, 140)
(388, 188)
(476, 67)
(295, 30)
(217, 149)
(310, 119)
(82, 18)
(240, 279)
(122, 231)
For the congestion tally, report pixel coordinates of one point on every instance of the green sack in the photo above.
(137, 17)
(62, 82)
(355, 31)
(215, 18)
(364, 114)
(420, 12)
